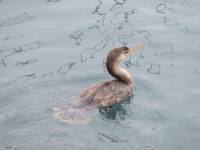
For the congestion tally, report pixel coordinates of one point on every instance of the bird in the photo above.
(103, 94)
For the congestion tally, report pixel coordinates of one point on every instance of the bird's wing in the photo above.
(89, 91)
(111, 93)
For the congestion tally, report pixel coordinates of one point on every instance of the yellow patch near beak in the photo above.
(134, 49)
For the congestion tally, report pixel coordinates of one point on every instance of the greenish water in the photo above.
(51, 50)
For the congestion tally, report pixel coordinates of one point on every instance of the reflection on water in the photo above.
(9, 52)
(184, 3)
(77, 38)
(113, 22)
(17, 20)
(52, 0)
(155, 69)
(62, 69)
(50, 74)
(170, 22)
(160, 8)
(51, 50)
(117, 111)
(184, 30)
(84, 54)
(25, 63)
(164, 50)
(169, 1)
(117, 5)
(25, 77)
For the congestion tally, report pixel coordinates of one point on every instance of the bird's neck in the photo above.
(113, 67)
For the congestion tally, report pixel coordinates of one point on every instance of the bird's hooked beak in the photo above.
(134, 49)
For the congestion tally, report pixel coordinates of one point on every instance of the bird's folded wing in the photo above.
(89, 91)
(112, 92)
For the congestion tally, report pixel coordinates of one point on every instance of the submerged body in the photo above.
(102, 94)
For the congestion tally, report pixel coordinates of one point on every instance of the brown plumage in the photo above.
(102, 94)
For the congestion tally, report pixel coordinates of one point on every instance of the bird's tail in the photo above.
(71, 115)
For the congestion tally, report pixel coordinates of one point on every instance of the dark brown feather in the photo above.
(110, 93)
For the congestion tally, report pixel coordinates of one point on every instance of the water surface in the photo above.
(51, 50)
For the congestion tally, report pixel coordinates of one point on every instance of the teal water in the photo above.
(51, 50)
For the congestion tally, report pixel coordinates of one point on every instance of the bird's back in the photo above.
(103, 94)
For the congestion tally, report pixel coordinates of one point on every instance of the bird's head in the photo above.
(121, 52)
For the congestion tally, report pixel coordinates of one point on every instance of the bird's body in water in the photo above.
(103, 94)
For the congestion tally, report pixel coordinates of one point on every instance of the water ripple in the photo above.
(25, 77)
(170, 22)
(9, 52)
(52, 0)
(25, 63)
(117, 5)
(184, 3)
(65, 68)
(160, 8)
(46, 75)
(164, 50)
(89, 53)
(184, 30)
(169, 1)
(77, 38)
(17, 20)
(155, 69)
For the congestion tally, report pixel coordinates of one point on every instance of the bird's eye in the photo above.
(125, 48)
